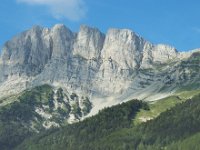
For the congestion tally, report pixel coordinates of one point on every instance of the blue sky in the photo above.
(173, 22)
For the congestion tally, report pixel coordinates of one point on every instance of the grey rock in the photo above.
(120, 64)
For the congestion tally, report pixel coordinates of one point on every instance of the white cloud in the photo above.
(70, 9)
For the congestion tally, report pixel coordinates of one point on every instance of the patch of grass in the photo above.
(157, 107)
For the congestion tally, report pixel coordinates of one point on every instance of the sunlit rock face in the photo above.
(117, 64)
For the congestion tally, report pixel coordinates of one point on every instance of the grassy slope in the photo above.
(162, 105)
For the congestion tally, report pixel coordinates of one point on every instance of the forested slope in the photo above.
(113, 129)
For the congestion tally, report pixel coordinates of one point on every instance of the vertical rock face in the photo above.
(26, 54)
(61, 41)
(120, 62)
(124, 47)
(163, 53)
(31, 47)
(89, 43)
(147, 57)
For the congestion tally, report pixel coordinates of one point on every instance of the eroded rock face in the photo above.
(61, 41)
(123, 47)
(163, 53)
(88, 43)
(118, 63)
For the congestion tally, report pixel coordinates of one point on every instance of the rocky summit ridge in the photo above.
(109, 68)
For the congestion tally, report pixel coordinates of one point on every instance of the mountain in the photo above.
(53, 81)
(107, 68)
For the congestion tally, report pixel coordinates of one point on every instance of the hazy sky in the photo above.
(173, 22)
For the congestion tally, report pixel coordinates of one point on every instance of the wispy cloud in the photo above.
(71, 9)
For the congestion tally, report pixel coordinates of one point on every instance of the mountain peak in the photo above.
(120, 31)
(89, 61)
(86, 27)
(59, 26)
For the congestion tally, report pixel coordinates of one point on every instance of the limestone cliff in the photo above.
(117, 64)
